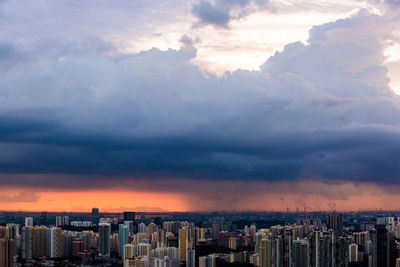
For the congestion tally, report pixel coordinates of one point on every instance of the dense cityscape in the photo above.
(129, 239)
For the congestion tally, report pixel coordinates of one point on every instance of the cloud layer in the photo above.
(321, 110)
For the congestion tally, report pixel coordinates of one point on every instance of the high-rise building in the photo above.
(342, 251)
(137, 262)
(6, 252)
(43, 218)
(215, 230)
(162, 262)
(143, 249)
(265, 251)
(334, 221)
(353, 253)
(142, 228)
(95, 215)
(104, 239)
(232, 242)
(130, 251)
(190, 257)
(129, 216)
(58, 220)
(300, 253)
(65, 220)
(29, 221)
(361, 238)
(95, 212)
(130, 227)
(40, 241)
(382, 246)
(62, 220)
(206, 261)
(183, 233)
(55, 242)
(122, 239)
(77, 247)
(327, 245)
(27, 242)
(151, 228)
(287, 247)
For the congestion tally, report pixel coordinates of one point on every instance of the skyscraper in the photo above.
(190, 257)
(95, 215)
(65, 220)
(206, 261)
(29, 221)
(43, 218)
(382, 246)
(287, 247)
(131, 227)
(58, 220)
(334, 221)
(353, 252)
(300, 253)
(122, 239)
(55, 242)
(27, 242)
(129, 216)
(129, 251)
(265, 251)
(6, 252)
(185, 242)
(104, 239)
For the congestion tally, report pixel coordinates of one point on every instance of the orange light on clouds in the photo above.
(207, 195)
(107, 201)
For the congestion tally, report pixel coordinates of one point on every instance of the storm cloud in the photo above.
(321, 110)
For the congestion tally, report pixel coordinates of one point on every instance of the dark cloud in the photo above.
(317, 111)
(210, 14)
(221, 12)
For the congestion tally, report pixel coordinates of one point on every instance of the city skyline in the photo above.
(201, 105)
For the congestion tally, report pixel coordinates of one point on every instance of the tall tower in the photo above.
(382, 246)
(95, 215)
(55, 242)
(185, 242)
(182, 243)
(334, 221)
(353, 252)
(287, 247)
(129, 216)
(300, 253)
(6, 252)
(265, 251)
(104, 239)
(29, 221)
(27, 242)
(122, 239)
(190, 257)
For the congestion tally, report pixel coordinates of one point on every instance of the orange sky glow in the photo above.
(208, 196)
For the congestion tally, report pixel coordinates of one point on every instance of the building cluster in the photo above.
(305, 243)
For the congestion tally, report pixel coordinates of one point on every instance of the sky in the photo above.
(200, 105)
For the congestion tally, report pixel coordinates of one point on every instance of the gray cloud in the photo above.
(321, 110)
(221, 12)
